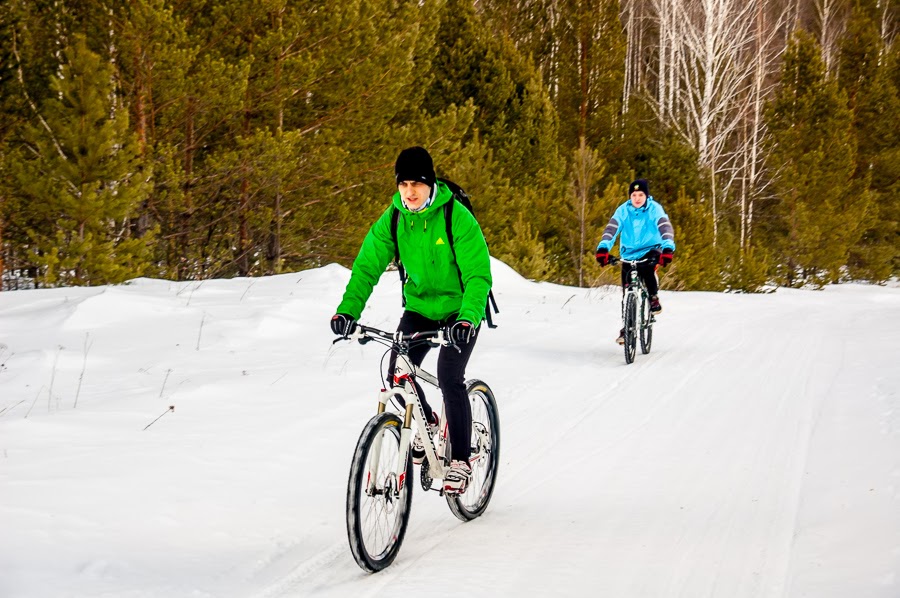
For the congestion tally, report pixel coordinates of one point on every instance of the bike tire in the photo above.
(485, 460)
(646, 326)
(630, 328)
(376, 524)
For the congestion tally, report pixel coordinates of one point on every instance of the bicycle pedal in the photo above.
(424, 478)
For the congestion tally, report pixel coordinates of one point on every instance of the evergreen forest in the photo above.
(195, 139)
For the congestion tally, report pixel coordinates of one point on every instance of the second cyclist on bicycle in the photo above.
(646, 234)
(446, 286)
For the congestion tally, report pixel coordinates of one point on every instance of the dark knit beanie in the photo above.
(639, 185)
(414, 164)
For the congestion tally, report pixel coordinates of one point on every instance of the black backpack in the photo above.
(458, 196)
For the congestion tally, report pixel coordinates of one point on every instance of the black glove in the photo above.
(602, 256)
(342, 325)
(666, 257)
(461, 332)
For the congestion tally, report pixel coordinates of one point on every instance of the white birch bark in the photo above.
(713, 70)
(831, 20)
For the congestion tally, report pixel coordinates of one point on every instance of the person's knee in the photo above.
(452, 383)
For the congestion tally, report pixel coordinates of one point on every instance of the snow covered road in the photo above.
(754, 452)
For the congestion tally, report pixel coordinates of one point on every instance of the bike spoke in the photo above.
(380, 511)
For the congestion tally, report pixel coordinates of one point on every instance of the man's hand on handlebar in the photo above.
(343, 325)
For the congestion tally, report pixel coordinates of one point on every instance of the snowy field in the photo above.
(754, 452)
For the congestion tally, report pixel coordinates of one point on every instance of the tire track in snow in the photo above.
(296, 582)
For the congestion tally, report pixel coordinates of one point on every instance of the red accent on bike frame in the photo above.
(397, 380)
(401, 480)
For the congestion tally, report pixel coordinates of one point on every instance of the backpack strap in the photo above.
(448, 222)
(395, 223)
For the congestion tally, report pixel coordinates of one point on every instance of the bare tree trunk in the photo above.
(243, 246)
(140, 111)
(664, 67)
(2, 251)
(583, 67)
(274, 249)
(831, 21)
(630, 33)
(889, 23)
(181, 264)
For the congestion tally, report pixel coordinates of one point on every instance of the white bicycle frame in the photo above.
(634, 289)
(404, 372)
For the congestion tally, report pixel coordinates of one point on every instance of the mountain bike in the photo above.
(379, 489)
(636, 317)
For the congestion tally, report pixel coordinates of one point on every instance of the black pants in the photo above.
(646, 272)
(451, 374)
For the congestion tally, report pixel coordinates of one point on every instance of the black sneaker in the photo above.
(621, 339)
(655, 307)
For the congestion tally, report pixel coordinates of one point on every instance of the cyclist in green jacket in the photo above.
(441, 291)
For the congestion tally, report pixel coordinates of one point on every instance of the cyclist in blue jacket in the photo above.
(646, 233)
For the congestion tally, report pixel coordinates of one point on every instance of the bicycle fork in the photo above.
(398, 471)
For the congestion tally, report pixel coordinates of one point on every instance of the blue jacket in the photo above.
(643, 229)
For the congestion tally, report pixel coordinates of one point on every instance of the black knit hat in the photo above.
(639, 185)
(415, 164)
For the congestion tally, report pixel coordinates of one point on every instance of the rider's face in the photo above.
(638, 198)
(413, 193)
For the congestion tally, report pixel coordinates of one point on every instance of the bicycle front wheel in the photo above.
(646, 326)
(378, 500)
(630, 327)
(485, 457)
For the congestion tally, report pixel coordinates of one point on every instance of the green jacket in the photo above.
(432, 287)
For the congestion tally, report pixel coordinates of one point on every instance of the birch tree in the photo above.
(714, 68)
(711, 71)
(831, 17)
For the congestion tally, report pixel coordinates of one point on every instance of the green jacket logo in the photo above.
(440, 241)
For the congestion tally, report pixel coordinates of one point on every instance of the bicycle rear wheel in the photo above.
(485, 459)
(646, 325)
(378, 502)
(630, 327)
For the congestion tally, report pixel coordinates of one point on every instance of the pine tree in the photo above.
(590, 72)
(78, 180)
(819, 214)
(864, 76)
(524, 251)
(514, 119)
(583, 210)
(27, 59)
(698, 263)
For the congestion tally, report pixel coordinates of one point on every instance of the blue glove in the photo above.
(342, 325)
(461, 332)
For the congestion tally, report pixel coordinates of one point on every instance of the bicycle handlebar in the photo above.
(397, 336)
(613, 260)
(363, 334)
